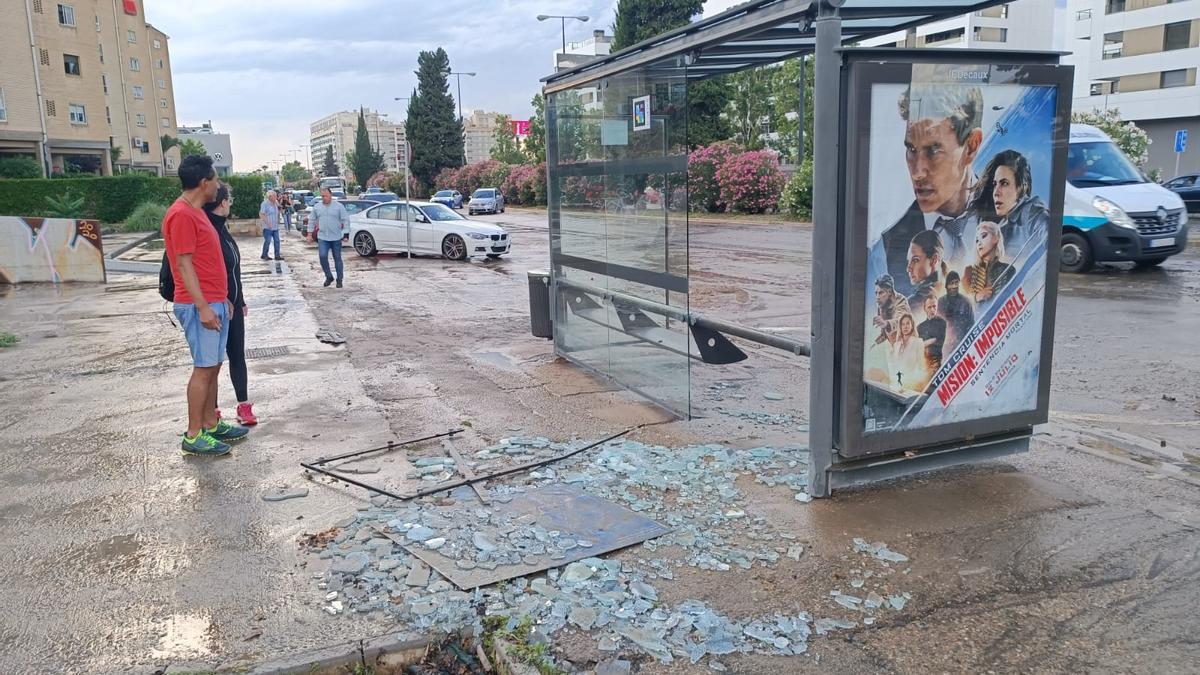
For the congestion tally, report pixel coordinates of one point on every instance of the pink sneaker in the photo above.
(245, 415)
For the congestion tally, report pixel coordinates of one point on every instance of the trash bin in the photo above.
(540, 322)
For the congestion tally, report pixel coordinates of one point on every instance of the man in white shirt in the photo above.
(331, 222)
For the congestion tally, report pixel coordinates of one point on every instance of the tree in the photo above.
(639, 20)
(785, 93)
(535, 142)
(366, 161)
(750, 108)
(168, 142)
(1130, 138)
(294, 172)
(435, 133)
(189, 147)
(330, 166)
(506, 149)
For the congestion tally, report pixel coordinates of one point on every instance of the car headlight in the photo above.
(476, 235)
(1115, 214)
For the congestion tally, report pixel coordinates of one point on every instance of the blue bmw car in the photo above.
(451, 198)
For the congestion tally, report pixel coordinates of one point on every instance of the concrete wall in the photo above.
(50, 249)
(1162, 146)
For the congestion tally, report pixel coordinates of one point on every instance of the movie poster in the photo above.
(959, 181)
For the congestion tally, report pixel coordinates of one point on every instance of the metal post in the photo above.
(564, 33)
(800, 111)
(826, 223)
(407, 207)
(458, 78)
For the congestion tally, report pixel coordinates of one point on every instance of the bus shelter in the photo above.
(880, 405)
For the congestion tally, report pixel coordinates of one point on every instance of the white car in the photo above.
(436, 230)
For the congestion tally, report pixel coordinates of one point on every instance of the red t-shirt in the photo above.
(186, 230)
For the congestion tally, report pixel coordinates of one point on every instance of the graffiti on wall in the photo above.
(50, 249)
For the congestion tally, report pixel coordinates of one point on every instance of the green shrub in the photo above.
(147, 217)
(66, 205)
(19, 167)
(797, 194)
(247, 192)
(109, 199)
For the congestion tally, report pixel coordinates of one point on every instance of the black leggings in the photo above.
(236, 351)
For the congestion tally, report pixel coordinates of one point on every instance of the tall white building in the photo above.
(339, 129)
(579, 53)
(1034, 25)
(1141, 57)
(479, 135)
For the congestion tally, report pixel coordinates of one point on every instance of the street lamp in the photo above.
(407, 210)
(563, 19)
(458, 76)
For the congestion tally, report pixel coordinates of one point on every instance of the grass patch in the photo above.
(7, 339)
(147, 217)
(520, 646)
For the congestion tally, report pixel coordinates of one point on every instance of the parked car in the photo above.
(352, 206)
(380, 197)
(373, 190)
(1112, 212)
(451, 198)
(1188, 189)
(486, 200)
(435, 230)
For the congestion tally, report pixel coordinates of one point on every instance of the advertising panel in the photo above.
(956, 200)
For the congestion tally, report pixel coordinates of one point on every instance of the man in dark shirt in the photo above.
(956, 309)
(932, 332)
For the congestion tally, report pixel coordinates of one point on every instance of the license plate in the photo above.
(1156, 243)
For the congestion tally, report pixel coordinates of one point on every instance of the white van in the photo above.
(1112, 212)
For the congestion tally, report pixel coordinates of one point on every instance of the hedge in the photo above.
(247, 196)
(109, 199)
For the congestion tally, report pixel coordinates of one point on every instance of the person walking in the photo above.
(285, 203)
(201, 303)
(218, 212)
(268, 218)
(331, 222)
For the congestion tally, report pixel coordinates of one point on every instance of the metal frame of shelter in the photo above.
(756, 33)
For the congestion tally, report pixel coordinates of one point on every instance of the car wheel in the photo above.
(1147, 264)
(1076, 254)
(364, 244)
(454, 248)
(502, 209)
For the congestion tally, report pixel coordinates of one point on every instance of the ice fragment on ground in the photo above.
(803, 497)
(717, 666)
(420, 533)
(848, 601)
(773, 396)
(607, 644)
(576, 572)
(387, 564)
(857, 583)
(435, 543)
(615, 667)
(286, 493)
(874, 600)
(483, 542)
(897, 602)
(584, 617)
(794, 552)
(353, 563)
(643, 590)
(418, 575)
(648, 641)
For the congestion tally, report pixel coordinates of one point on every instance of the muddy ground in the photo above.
(122, 556)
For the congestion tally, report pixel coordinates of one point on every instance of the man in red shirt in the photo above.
(201, 303)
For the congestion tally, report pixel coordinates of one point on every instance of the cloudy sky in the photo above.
(263, 70)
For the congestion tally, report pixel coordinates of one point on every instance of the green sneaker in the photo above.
(225, 432)
(204, 444)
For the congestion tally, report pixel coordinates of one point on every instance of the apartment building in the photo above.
(339, 130)
(1141, 57)
(1023, 24)
(86, 86)
(579, 53)
(479, 135)
(217, 145)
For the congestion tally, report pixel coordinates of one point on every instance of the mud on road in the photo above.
(123, 557)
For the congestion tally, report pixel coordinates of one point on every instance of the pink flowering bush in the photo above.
(704, 189)
(751, 182)
(525, 185)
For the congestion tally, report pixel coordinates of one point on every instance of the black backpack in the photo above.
(166, 281)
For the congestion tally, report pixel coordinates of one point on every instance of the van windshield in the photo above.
(1098, 164)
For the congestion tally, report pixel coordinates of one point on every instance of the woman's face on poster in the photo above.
(1005, 192)
(985, 242)
(906, 325)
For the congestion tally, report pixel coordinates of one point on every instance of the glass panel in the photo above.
(618, 211)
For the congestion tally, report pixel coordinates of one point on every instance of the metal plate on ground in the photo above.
(263, 352)
(570, 511)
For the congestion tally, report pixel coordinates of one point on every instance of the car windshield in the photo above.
(444, 193)
(439, 212)
(1099, 164)
(486, 194)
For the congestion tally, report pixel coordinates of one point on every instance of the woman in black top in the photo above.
(218, 212)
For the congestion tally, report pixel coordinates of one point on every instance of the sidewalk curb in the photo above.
(394, 649)
(112, 255)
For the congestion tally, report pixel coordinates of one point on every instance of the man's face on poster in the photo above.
(938, 163)
(881, 295)
(952, 288)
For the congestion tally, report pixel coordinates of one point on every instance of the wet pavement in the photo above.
(123, 556)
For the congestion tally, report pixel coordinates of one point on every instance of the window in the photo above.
(71, 64)
(164, 122)
(104, 83)
(135, 63)
(945, 36)
(101, 53)
(162, 103)
(1096, 89)
(990, 34)
(1174, 78)
(3, 107)
(97, 23)
(1177, 35)
(131, 37)
(108, 115)
(141, 119)
(66, 15)
(158, 64)
(162, 84)
(1114, 6)
(1114, 44)
(138, 93)
(157, 44)
(78, 113)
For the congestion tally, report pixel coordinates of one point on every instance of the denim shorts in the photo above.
(208, 346)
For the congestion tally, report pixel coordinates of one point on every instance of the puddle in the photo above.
(129, 556)
(184, 636)
(495, 359)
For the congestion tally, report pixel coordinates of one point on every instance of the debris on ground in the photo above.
(691, 490)
(284, 494)
(331, 337)
(7, 339)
